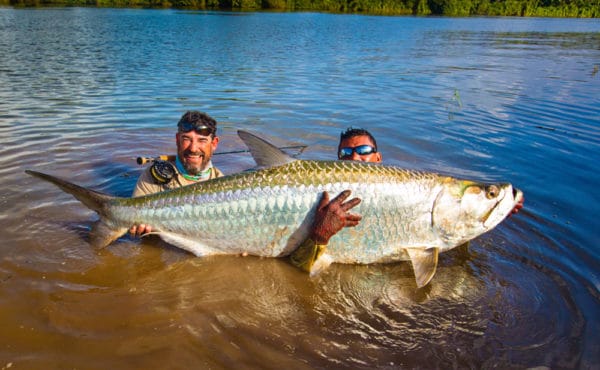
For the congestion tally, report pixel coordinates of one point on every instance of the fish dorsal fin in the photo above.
(424, 263)
(264, 153)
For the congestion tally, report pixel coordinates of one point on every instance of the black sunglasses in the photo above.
(360, 150)
(200, 130)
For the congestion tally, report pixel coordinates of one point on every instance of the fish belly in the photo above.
(272, 221)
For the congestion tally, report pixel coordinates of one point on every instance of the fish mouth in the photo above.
(517, 195)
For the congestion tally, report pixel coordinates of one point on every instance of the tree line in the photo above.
(453, 8)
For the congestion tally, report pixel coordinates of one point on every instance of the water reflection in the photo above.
(234, 304)
(133, 303)
(83, 92)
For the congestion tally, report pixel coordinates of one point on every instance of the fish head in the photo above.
(465, 209)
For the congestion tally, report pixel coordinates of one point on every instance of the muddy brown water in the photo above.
(83, 92)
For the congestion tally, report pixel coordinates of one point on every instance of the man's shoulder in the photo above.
(155, 178)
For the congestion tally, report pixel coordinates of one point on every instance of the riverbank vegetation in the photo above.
(521, 8)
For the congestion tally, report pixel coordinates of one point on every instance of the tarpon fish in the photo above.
(268, 212)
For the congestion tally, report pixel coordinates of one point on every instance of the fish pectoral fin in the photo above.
(424, 261)
(190, 245)
(311, 257)
(464, 246)
(101, 235)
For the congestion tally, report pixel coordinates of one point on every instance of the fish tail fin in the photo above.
(94, 200)
(101, 234)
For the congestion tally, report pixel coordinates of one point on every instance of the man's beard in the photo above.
(194, 169)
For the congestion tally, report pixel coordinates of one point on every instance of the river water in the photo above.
(83, 92)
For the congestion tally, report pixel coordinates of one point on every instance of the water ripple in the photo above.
(85, 91)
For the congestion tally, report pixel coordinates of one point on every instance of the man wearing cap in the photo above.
(331, 217)
(196, 140)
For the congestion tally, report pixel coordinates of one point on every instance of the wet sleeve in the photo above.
(305, 256)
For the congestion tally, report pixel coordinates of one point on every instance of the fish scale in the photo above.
(284, 197)
(406, 215)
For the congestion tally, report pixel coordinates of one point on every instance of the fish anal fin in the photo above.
(424, 262)
(102, 235)
(465, 246)
(190, 245)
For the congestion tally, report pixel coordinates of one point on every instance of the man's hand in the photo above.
(140, 230)
(333, 216)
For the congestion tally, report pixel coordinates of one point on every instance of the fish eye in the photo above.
(492, 191)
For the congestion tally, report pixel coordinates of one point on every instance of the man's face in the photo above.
(353, 143)
(195, 150)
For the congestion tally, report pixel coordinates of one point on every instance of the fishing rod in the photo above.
(144, 160)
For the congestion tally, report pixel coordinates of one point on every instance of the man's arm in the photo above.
(330, 217)
(333, 216)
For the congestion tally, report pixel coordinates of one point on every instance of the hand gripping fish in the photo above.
(406, 215)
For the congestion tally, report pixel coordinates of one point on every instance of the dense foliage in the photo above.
(525, 8)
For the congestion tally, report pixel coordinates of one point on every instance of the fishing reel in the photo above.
(162, 170)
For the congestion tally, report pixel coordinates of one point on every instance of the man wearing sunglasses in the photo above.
(332, 216)
(355, 144)
(196, 140)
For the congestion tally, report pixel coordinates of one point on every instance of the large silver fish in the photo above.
(407, 215)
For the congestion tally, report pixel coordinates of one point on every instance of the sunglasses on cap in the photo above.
(200, 130)
(360, 150)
